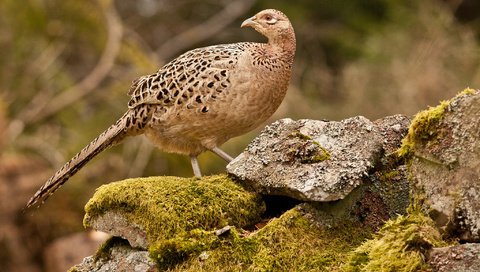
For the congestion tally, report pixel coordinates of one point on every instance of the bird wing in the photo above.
(192, 76)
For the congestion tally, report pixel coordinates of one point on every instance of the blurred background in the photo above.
(66, 66)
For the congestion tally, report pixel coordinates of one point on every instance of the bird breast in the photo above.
(257, 86)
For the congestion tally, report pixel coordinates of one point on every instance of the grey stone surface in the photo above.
(461, 258)
(115, 224)
(446, 168)
(391, 185)
(390, 180)
(310, 160)
(392, 130)
(385, 192)
(121, 258)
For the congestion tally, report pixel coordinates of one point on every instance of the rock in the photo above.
(177, 219)
(354, 181)
(391, 187)
(146, 210)
(274, 247)
(390, 179)
(118, 257)
(465, 258)
(116, 224)
(443, 145)
(384, 195)
(398, 246)
(61, 255)
(392, 130)
(384, 190)
(310, 160)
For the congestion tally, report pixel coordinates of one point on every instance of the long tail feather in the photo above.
(110, 137)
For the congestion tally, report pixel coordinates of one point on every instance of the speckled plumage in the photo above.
(202, 98)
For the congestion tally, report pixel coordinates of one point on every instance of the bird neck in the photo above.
(284, 44)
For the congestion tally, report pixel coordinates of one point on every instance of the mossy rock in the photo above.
(165, 207)
(299, 241)
(296, 241)
(442, 152)
(401, 245)
(424, 127)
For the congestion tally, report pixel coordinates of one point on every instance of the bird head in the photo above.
(271, 23)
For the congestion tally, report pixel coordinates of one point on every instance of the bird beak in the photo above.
(249, 22)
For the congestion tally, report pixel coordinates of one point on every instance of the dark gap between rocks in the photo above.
(277, 205)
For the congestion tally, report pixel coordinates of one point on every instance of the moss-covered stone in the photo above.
(169, 252)
(103, 252)
(422, 129)
(424, 126)
(293, 242)
(166, 207)
(399, 246)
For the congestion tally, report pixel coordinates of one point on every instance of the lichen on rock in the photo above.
(425, 125)
(464, 258)
(310, 160)
(117, 255)
(442, 150)
(306, 150)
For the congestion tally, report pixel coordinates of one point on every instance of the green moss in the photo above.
(299, 135)
(321, 155)
(291, 242)
(424, 126)
(307, 150)
(103, 252)
(399, 246)
(467, 91)
(168, 206)
(422, 129)
(387, 175)
(169, 252)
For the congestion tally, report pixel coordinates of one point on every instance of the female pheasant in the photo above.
(201, 99)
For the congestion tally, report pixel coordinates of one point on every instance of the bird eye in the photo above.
(270, 19)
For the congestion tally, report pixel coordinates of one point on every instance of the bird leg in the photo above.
(195, 166)
(222, 154)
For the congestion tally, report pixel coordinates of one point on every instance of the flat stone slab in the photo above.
(310, 160)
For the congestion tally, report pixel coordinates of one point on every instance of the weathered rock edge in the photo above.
(310, 160)
(443, 151)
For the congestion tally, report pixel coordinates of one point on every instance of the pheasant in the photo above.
(201, 99)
